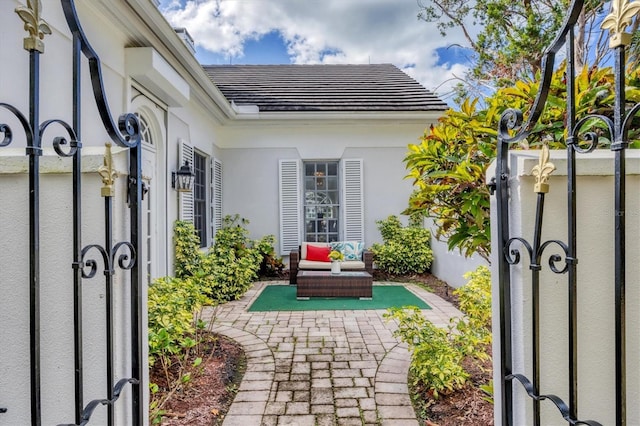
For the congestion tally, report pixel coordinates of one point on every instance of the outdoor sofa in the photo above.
(315, 258)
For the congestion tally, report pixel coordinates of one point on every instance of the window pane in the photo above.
(309, 169)
(332, 183)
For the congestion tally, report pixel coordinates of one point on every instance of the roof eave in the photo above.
(337, 117)
(208, 94)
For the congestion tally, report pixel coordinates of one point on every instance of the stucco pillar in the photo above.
(595, 286)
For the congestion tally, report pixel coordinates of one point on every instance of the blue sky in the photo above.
(321, 31)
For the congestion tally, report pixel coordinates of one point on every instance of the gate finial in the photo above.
(622, 13)
(542, 171)
(108, 174)
(33, 23)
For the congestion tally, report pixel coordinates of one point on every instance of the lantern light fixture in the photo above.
(183, 178)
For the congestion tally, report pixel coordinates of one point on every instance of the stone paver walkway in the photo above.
(320, 368)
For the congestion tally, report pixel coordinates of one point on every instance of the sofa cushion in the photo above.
(313, 265)
(352, 250)
(303, 248)
(318, 253)
(352, 265)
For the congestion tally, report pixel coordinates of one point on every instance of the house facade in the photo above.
(302, 152)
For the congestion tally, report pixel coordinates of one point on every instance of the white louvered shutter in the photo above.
(352, 200)
(216, 196)
(290, 208)
(185, 153)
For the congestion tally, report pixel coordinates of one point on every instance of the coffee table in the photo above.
(326, 284)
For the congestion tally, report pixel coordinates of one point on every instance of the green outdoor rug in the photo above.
(283, 298)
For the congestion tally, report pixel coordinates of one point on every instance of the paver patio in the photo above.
(321, 367)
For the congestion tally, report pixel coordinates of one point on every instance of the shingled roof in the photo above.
(286, 88)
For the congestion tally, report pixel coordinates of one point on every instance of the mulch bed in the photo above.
(206, 398)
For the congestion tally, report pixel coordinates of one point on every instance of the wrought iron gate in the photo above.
(123, 255)
(511, 130)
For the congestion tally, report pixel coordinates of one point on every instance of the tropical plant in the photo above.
(449, 165)
(271, 264)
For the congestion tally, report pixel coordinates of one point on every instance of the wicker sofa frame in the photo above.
(294, 259)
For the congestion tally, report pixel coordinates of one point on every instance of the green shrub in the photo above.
(187, 249)
(232, 264)
(175, 333)
(229, 268)
(475, 296)
(172, 303)
(406, 250)
(437, 353)
(435, 362)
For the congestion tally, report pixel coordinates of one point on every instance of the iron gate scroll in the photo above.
(87, 260)
(511, 130)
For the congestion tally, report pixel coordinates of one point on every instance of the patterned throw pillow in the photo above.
(352, 250)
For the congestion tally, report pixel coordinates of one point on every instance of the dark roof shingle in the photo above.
(364, 88)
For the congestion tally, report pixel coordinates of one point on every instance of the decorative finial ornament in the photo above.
(108, 174)
(620, 17)
(34, 24)
(542, 171)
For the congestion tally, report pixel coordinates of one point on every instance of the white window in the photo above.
(320, 201)
(203, 205)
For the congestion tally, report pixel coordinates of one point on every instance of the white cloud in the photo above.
(323, 31)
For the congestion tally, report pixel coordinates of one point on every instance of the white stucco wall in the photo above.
(56, 290)
(451, 266)
(595, 215)
(251, 166)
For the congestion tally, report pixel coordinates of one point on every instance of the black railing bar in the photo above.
(77, 236)
(504, 282)
(109, 271)
(535, 304)
(572, 231)
(34, 152)
(137, 303)
(619, 146)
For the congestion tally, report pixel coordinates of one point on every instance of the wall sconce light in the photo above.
(182, 179)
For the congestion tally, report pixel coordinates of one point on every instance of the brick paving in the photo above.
(321, 368)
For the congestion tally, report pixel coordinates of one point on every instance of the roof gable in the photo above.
(335, 88)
